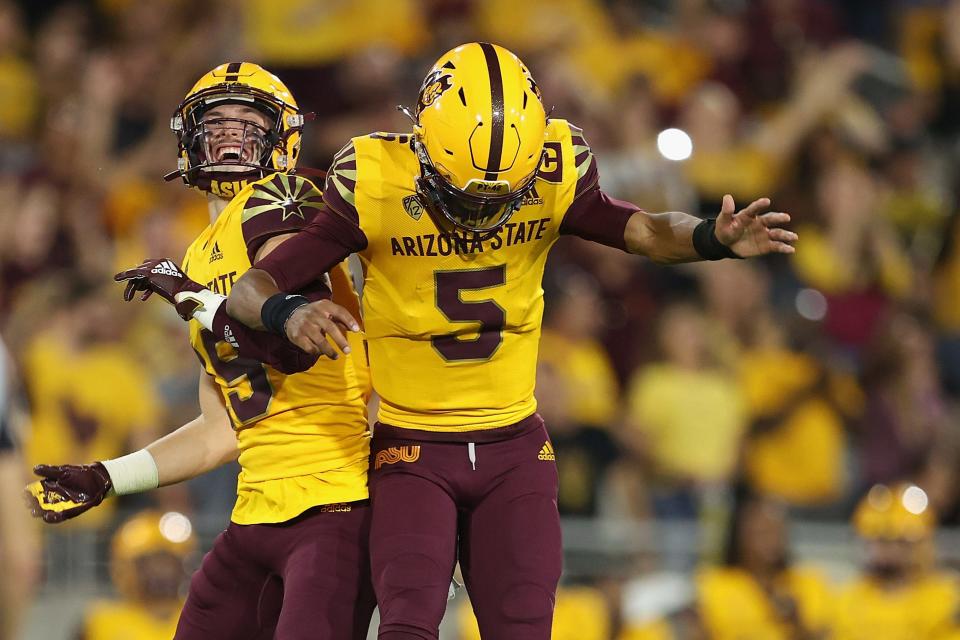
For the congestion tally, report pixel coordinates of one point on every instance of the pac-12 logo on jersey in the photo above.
(411, 204)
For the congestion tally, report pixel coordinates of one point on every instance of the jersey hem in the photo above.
(345, 497)
(522, 427)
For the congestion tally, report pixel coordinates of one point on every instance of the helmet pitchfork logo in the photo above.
(433, 87)
(533, 85)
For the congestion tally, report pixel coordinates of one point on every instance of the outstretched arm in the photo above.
(201, 445)
(670, 237)
(673, 237)
(66, 491)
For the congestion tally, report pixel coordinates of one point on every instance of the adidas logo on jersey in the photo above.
(340, 507)
(229, 337)
(534, 199)
(216, 254)
(547, 452)
(166, 268)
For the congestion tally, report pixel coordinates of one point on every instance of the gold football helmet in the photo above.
(259, 149)
(144, 537)
(479, 128)
(901, 512)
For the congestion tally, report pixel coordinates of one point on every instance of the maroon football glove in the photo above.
(66, 491)
(164, 277)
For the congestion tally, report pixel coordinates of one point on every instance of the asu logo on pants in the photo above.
(391, 455)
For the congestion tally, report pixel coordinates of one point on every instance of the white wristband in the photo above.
(209, 303)
(133, 473)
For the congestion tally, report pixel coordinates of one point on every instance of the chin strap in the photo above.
(203, 180)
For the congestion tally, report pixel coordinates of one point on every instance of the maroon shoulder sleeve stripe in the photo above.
(586, 164)
(339, 191)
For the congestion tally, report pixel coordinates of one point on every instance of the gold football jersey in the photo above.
(927, 608)
(734, 606)
(303, 438)
(453, 319)
(581, 613)
(119, 620)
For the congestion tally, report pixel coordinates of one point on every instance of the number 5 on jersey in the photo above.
(488, 314)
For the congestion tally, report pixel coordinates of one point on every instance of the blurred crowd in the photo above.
(735, 394)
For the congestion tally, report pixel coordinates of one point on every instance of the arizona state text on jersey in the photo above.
(452, 318)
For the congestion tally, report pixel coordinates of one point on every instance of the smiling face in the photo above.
(234, 135)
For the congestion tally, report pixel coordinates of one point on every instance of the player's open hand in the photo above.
(751, 232)
(310, 326)
(66, 491)
(164, 277)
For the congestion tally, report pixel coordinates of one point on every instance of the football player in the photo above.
(148, 566)
(453, 224)
(301, 515)
(901, 593)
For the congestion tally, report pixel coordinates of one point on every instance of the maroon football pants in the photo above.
(305, 578)
(497, 512)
